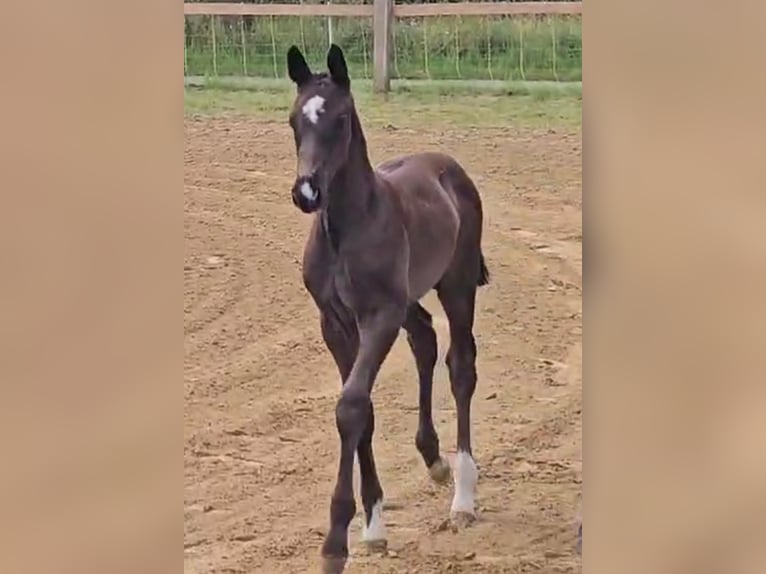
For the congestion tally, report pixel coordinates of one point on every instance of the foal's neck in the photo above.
(352, 190)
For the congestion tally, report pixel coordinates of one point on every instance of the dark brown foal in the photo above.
(381, 239)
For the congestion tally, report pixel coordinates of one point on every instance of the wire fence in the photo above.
(439, 48)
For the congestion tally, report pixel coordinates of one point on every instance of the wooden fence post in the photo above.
(383, 30)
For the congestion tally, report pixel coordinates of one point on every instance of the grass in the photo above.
(499, 48)
(410, 103)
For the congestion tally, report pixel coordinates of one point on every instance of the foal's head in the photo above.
(321, 123)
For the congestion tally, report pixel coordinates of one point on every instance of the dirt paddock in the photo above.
(260, 388)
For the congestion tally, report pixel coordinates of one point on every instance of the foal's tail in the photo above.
(483, 273)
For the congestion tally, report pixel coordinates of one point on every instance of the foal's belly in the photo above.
(431, 217)
(432, 231)
(428, 263)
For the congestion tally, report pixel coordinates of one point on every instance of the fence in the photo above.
(383, 40)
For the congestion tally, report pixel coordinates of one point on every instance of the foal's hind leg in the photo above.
(458, 302)
(422, 339)
(342, 339)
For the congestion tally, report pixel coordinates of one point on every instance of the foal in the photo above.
(383, 238)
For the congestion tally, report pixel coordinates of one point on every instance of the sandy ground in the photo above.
(260, 387)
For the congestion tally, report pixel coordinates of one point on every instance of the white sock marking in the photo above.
(377, 529)
(307, 191)
(313, 107)
(466, 475)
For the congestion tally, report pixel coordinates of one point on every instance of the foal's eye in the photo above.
(340, 122)
(332, 131)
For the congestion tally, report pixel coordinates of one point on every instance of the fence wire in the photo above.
(459, 47)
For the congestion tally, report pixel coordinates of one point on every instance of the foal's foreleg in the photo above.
(422, 339)
(341, 337)
(340, 333)
(373, 529)
(353, 416)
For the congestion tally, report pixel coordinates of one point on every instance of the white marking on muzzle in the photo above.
(307, 191)
(466, 475)
(313, 107)
(377, 528)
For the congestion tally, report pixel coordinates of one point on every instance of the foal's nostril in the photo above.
(308, 190)
(306, 194)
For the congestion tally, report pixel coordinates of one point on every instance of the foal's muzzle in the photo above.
(307, 193)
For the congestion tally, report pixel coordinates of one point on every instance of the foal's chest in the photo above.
(323, 269)
(323, 280)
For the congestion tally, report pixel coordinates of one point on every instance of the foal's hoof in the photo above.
(440, 471)
(462, 519)
(376, 546)
(333, 564)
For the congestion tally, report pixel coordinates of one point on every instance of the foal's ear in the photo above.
(336, 63)
(297, 68)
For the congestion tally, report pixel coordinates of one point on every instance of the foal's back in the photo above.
(441, 210)
(431, 176)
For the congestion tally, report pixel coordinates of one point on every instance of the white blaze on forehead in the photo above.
(466, 475)
(313, 107)
(307, 191)
(376, 530)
